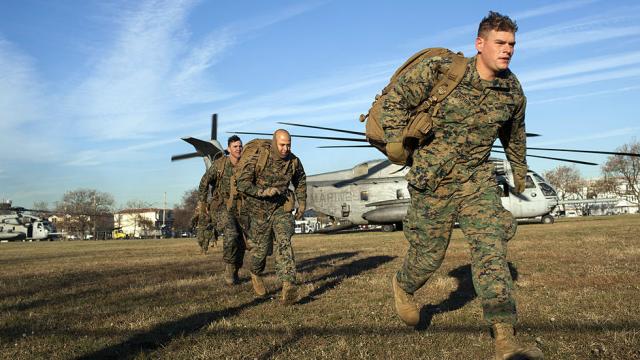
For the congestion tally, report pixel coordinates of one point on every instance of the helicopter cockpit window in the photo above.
(539, 178)
(547, 190)
(364, 195)
(529, 184)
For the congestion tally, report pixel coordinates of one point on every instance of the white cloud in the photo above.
(577, 96)
(439, 38)
(155, 70)
(19, 87)
(22, 102)
(552, 9)
(621, 132)
(582, 66)
(568, 35)
(585, 79)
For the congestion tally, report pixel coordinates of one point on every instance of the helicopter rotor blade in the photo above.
(343, 146)
(581, 151)
(324, 128)
(185, 156)
(554, 158)
(355, 132)
(301, 136)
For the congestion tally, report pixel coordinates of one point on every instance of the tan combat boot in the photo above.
(289, 293)
(508, 348)
(258, 285)
(406, 307)
(230, 274)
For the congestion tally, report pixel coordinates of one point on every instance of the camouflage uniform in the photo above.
(223, 219)
(452, 180)
(268, 215)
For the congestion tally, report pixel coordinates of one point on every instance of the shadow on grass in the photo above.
(461, 296)
(309, 265)
(344, 272)
(163, 333)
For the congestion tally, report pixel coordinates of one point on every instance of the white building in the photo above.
(143, 223)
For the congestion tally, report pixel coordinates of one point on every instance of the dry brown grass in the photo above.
(577, 290)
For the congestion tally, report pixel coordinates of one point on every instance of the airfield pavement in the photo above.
(577, 289)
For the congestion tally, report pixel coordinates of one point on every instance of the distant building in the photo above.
(144, 223)
(618, 201)
(78, 227)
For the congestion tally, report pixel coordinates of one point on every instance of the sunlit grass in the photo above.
(577, 289)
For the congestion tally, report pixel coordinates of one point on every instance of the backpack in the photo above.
(420, 122)
(217, 199)
(262, 147)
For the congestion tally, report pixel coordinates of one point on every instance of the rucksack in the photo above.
(219, 164)
(420, 122)
(262, 147)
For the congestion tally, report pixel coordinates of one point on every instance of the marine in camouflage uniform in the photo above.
(451, 178)
(224, 220)
(265, 196)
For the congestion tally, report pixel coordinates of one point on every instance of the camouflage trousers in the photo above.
(280, 224)
(233, 246)
(487, 227)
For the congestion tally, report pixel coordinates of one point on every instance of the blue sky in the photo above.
(96, 94)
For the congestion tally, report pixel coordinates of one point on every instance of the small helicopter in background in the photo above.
(17, 225)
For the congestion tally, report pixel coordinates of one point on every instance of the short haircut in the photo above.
(232, 139)
(498, 22)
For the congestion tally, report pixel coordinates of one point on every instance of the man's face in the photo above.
(235, 149)
(283, 142)
(495, 49)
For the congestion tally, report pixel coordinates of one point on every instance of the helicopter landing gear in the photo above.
(388, 228)
(547, 219)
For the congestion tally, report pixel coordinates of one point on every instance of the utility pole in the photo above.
(95, 212)
(164, 209)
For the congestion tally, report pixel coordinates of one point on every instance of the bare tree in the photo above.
(183, 213)
(41, 205)
(567, 180)
(626, 168)
(41, 208)
(605, 185)
(82, 208)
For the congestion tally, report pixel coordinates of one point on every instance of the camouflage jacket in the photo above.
(278, 173)
(465, 124)
(219, 182)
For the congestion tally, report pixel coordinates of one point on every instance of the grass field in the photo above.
(577, 287)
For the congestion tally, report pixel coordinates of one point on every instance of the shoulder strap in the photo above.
(263, 156)
(449, 81)
(220, 165)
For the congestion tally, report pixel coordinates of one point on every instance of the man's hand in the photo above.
(519, 184)
(268, 192)
(300, 211)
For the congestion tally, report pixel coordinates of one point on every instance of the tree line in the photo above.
(88, 211)
(620, 176)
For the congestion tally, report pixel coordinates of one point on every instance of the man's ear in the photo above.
(479, 44)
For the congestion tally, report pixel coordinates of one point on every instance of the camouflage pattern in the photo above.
(267, 215)
(220, 219)
(452, 180)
